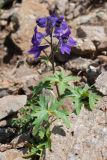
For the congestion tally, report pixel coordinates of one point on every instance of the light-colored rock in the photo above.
(11, 154)
(61, 6)
(78, 64)
(19, 80)
(27, 14)
(86, 140)
(3, 92)
(3, 123)
(102, 58)
(94, 33)
(84, 47)
(10, 104)
(101, 83)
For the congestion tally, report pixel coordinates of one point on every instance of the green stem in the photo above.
(53, 67)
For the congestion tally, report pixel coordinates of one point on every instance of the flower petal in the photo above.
(42, 22)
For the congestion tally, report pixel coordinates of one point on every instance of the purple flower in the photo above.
(49, 23)
(37, 37)
(62, 30)
(65, 44)
(54, 27)
(42, 22)
(36, 50)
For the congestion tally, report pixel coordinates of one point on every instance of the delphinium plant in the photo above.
(44, 108)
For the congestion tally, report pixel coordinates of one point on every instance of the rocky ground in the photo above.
(87, 139)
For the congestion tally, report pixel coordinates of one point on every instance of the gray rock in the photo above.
(95, 33)
(3, 92)
(85, 19)
(10, 104)
(78, 64)
(84, 47)
(71, 7)
(77, 11)
(101, 83)
(61, 6)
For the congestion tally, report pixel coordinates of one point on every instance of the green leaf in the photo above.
(92, 100)
(55, 104)
(42, 102)
(77, 104)
(71, 78)
(41, 116)
(62, 87)
(42, 133)
(62, 115)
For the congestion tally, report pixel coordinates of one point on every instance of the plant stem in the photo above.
(53, 68)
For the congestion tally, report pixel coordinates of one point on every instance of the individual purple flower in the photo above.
(42, 22)
(36, 50)
(37, 37)
(51, 22)
(65, 44)
(62, 30)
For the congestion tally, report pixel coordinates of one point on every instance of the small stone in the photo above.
(6, 134)
(3, 123)
(101, 83)
(11, 104)
(61, 6)
(3, 92)
(78, 64)
(93, 72)
(102, 58)
(11, 154)
(77, 11)
(70, 16)
(3, 23)
(71, 7)
(5, 147)
(19, 141)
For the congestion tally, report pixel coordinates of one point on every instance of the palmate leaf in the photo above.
(77, 104)
(55, 104)
(62, 87)
(93, 98)
(42, 85)
(43, 103)
(42, 133)
(40, 117)
(52, 79)
(62, 115)
(71, 78)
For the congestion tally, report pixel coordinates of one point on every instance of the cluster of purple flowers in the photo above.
(54, 27)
